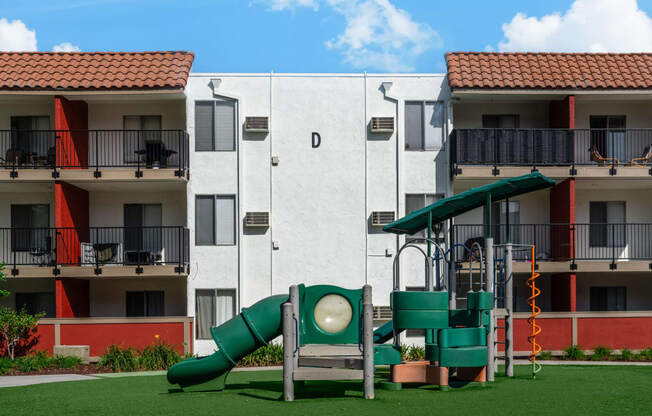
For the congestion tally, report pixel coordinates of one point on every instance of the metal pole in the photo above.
(509, 319)
(452, 274)
(368, 342)
(489, 272)
(294, 299)
(288, 349)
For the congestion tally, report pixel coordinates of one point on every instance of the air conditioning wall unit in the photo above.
(382, 313)
(255, 124)
(257, 219)
(380, 218)
(382, 124)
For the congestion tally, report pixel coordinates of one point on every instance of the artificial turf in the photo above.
(558, 390)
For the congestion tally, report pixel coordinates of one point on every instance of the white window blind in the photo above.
(215, 125)
(213, 308)
(215, 220)
(424, 125)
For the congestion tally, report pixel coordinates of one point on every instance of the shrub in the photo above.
(65, 362)
(5, 365)
(158, 356)
(33, 362)
(416, 353)
(573, 352)
(627, 355)
(404, 352)
(601, 353)
(646, 354)
(545, 355)
(270, 354)
(16, 327)
(120, 359)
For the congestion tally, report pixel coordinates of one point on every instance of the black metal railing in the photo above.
(551, 147)
(94, 149)
(95, 246)
(564, 242)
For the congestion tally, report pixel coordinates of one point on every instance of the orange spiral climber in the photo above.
(536, 329)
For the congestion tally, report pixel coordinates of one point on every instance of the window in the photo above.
(213, 307)
(500, 121)
(607, 227)
(30, 227)
(36, 303)
(141, 134)
(146, 303)
(414, 202)
(608, 136)
(608, 298)
(143, 240)
(499, 221)
(30, 137)
(424, 125)
(215, 124)
(215, 220)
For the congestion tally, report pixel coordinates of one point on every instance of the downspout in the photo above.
(366, 207)
(271, 199)
(386, 86)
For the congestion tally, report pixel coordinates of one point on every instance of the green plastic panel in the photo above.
(419, 319)
(387, 354)
(463, 357)
(480, 300)
(435, 301)
(310, 331)
(462, 337)
(432, 352)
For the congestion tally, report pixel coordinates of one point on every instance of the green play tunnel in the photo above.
(237, 337)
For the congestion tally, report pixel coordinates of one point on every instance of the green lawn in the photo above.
(558, 390)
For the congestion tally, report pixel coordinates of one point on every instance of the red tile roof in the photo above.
(549, 70)
(94, 70)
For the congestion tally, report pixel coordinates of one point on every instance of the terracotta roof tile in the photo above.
(94, 70)
(549, 70)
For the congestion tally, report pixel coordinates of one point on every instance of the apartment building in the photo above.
(94, 169)
(584, 120)
(293, 176)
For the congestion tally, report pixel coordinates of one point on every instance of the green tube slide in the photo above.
(237, 337)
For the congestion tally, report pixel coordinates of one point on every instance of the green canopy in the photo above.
(473, 198)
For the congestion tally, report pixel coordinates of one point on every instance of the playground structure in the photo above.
(328, 331)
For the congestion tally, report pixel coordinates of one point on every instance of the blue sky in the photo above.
(325, 35)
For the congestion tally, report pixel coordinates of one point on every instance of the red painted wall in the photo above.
(41, 340)
(615, 333)
(561, 114)
(139, 335)
(562, 211)
(563, 292)
(72, 298)
(71, 208)
(71, 119)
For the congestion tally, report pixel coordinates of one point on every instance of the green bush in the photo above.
(120, 359)
(627, 355)
(545, 355)
(646, 354)
(270, 354)
(158, 356)
(33, 362)
(573, 352)
(5, 365)
(16, 327)
(65, 362)
(404, 352)
(416, 353)
(601, 353)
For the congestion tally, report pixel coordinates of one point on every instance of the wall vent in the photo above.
(380, 218)
(382, 124)
(382, 313)
(257, 219)
(256, 124)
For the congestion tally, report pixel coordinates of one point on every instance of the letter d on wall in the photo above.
(316, 140)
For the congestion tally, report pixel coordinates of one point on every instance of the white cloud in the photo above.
(377, 34)
(65, 47)
(588, 26)
(16, 37)
(279, 5)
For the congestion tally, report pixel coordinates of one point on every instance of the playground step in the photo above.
(353, 363)
(327, 374)
(329, 350)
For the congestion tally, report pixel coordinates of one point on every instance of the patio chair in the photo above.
(601, 160)
(643, 161)
(13, 157)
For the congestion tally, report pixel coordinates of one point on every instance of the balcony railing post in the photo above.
(97, 155)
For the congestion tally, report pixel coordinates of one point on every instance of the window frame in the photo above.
(595, 226)
(607, 288)
(425, 195)
(215, 197)
(424, 126)
(214, 294)
(236, 130)
(145, 302)
(13, 227)
(486, 117)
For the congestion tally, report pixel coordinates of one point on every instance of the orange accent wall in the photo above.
(71, 123)
(72, 298)
(71, 211)
(561, 114)
(616, 333)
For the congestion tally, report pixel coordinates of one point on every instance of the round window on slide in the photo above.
(333, 313)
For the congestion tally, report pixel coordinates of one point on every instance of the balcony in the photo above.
(94, 154)
(556, 152)
(94, 251)
(564, 247)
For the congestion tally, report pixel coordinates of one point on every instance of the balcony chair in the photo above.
(45, 254)
(601, 160)
(643, 161)
(105, 252)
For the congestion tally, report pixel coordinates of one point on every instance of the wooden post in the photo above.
(288, 353)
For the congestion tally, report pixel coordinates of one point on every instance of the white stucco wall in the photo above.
(533, 114)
